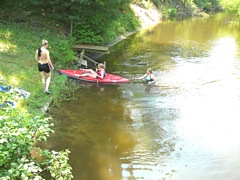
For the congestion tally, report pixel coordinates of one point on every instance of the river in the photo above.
(185, 127)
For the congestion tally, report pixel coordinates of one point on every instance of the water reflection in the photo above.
(183, 127)
(91, 128)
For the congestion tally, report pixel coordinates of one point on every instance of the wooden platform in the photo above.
(90, 48)
(82, 59)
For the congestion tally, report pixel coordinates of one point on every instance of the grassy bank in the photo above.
(18, 66)
(24, 124)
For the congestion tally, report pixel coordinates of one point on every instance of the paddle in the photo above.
(97, 75)
(97, 81)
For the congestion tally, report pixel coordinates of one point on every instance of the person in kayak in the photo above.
(99, 73)
(44, 65)
(149, 76)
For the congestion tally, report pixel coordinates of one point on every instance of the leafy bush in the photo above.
(232, 6)
(63, 51)
(91, 22)
(19, 132)
(207, 5)
(107, 22)
(169, 12)
(156, 2)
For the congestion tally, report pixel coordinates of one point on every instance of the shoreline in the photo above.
(148, 15)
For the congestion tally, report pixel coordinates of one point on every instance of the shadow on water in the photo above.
(92, 127)
(183, 127)
(112, 130)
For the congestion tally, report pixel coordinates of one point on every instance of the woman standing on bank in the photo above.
(44, 65)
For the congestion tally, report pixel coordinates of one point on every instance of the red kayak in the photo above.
(110, 78)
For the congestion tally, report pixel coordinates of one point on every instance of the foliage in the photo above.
(58, 160)
(157, 3)
(168, 7)
(174, 8)
(100, 21)
(63, 88)
(18, 44)
(169, 12)
(103, 27)
(63, 51)
(13, 36)
(19, 131)
(23, 125)
(207, 5)
(99, 27)
(232, 6)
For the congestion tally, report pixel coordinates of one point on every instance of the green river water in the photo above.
(185, 127)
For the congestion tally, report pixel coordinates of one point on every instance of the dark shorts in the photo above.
(43, 67)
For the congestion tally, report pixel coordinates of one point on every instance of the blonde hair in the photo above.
(44, 42)
(101, 65)
(150, 70)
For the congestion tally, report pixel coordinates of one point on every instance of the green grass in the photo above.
(26, 124)
(18, 67)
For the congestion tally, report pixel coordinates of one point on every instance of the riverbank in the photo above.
(18, 53)
(147, 14)
(18, 68)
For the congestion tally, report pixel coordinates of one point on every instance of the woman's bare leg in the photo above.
(43, 79)
(48, 80)
(90, 73)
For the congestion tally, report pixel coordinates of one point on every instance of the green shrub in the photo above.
(24, 125)
(232, 6)
(169, 12)
(207, 5)
(19, 132)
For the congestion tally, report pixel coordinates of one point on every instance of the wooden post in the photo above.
(104, 63)
(89, 59)
(80, 57)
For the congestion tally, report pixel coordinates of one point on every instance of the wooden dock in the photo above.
(90, 48)
(82, 59)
